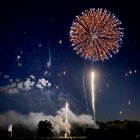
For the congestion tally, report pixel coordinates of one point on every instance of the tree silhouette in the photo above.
(45, 129)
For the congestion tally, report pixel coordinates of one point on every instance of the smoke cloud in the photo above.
(58, 121)
(27, 85)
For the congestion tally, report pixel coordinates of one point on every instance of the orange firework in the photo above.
(96, 34)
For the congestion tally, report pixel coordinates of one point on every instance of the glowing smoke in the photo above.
(58, 121)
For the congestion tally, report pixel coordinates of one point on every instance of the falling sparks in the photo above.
(39, 45)
(100, 90)
(129, 102)
(64, 73)
(60, 41)
(107, 85)
(49, 63)
(84, 89)
(120, 112)
(56, 86)
(96, 34)
(131, 72)
(18, 57)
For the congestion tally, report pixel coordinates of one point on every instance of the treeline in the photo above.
(115, 130)
(111, 130)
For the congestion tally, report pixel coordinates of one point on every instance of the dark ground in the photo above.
(111, 130)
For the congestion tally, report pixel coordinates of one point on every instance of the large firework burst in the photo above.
(96, 34)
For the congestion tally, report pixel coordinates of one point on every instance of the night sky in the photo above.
(39, 71)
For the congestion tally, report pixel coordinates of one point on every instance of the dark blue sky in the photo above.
(32, 33)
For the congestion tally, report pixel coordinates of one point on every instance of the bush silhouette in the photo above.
(45, 129)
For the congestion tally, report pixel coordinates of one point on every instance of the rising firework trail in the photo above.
(93, 93)
(66, 121)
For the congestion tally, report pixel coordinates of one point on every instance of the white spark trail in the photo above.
(66, 121)
(93, 94)
(66, 112)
